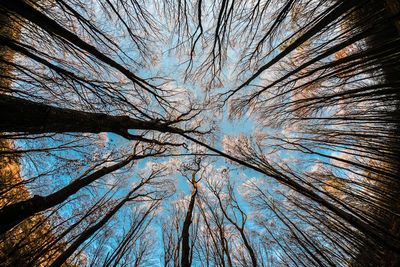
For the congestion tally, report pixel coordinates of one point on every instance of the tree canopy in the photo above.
(199, 133)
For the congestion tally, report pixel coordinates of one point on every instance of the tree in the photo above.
(90, 231)
(186, 250)
(17, 212)
(231, 210)
(318, 80)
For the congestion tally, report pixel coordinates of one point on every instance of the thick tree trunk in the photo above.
(20, 115)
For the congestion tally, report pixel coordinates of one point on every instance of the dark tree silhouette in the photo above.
(109, 90)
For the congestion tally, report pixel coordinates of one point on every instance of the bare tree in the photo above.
(86, 84)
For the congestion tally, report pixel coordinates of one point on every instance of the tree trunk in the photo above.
(380, 235)
(87, 234)
(30, 13)
(337, 11)
(91, 230)
(185, 262)
(20, 115)
(15, 213)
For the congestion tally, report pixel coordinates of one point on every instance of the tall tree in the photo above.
(84, 83)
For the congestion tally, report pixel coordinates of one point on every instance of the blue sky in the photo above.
(168, 63)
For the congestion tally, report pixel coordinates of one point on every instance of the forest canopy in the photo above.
(199, 133)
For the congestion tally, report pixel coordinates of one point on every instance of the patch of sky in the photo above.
(171, 65)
